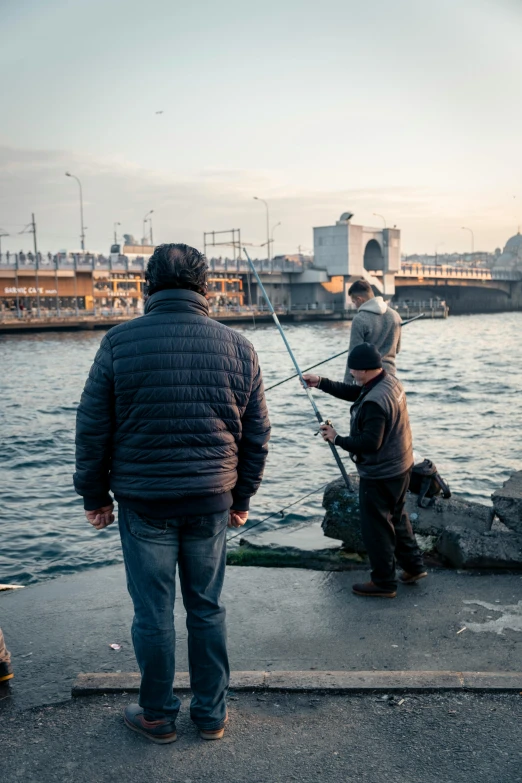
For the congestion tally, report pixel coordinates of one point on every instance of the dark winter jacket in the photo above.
(380, 439)
(173, 417)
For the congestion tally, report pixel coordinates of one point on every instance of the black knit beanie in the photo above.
(364, 357)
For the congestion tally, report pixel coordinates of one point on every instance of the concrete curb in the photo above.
(92, 683)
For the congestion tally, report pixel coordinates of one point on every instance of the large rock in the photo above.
(342, 519)
(453, 512)
(469, 549)
(507, 502)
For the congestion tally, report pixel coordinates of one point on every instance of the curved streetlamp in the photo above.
(144, 221)
(256, 198)
(439, 244)
(82, 235)
(2, 234)
(272, 240)
(382, 218)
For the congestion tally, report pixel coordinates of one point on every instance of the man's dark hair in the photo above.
(176, 266)
(360, 288)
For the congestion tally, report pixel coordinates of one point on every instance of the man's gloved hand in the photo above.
(237, 518)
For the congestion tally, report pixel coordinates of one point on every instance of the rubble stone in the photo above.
(342, 518)
(507, 502)
(468, 549)
(453, 512)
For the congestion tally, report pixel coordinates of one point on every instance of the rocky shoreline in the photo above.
(452, 532)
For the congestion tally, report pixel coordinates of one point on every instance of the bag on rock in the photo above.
(426, 482)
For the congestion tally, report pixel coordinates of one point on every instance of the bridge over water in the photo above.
(85, 281)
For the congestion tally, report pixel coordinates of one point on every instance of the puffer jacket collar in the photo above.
(177, 300)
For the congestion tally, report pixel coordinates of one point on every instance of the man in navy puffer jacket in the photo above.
(173, 420)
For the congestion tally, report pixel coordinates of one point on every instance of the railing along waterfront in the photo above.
(107, 314)
(418, 270)
(90, 261)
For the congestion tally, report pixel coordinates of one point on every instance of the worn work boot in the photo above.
(411, 579)
(160, 731)
(6, 671)
(370, 590)
(215, 734)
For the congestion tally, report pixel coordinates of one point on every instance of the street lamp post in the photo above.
(115, 233)
(272, 240)
(256, 198)
(33, 231)
(144, 221)
(82, 235)
(381, 216)
(2, 234)
(439, 244)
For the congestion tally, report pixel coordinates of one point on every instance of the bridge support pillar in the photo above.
(388, 284)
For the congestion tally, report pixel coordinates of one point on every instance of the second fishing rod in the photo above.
(335, 356)
(334, 451)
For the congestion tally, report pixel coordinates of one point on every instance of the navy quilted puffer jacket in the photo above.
(173, 416)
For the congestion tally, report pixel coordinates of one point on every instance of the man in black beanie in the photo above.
(380, 444)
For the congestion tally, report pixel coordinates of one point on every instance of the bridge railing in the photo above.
(90, 261)
(82, 263)
(422, 270)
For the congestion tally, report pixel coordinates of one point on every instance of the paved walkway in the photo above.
(275, 738)
(278, 619)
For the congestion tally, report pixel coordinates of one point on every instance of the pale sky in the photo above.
(407, 108)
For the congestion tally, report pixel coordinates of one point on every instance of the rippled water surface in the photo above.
(463, 377)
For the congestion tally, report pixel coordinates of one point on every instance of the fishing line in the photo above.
(335, 356)
(306, 370)
(276, 513)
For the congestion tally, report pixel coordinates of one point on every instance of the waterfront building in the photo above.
(76, 283)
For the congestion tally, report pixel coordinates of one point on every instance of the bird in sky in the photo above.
(159, 112)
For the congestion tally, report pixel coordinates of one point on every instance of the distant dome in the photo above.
(514, 245)
(504, 263)
(511, 258)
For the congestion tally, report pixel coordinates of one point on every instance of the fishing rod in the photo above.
(335, 356)
(299, 373)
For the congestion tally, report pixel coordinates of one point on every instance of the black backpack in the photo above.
(426, 482)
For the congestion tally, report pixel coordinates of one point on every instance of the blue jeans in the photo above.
(151, 549)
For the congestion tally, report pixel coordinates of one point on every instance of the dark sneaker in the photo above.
(370, 590)
(215, 734)
(410, 579)
(6, 672)
(160, 731)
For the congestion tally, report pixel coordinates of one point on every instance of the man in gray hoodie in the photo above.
(375, 323)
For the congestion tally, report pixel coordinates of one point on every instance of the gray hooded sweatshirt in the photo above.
(378, 324)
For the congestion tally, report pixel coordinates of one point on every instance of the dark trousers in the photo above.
(151, 551)
(386, 529)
